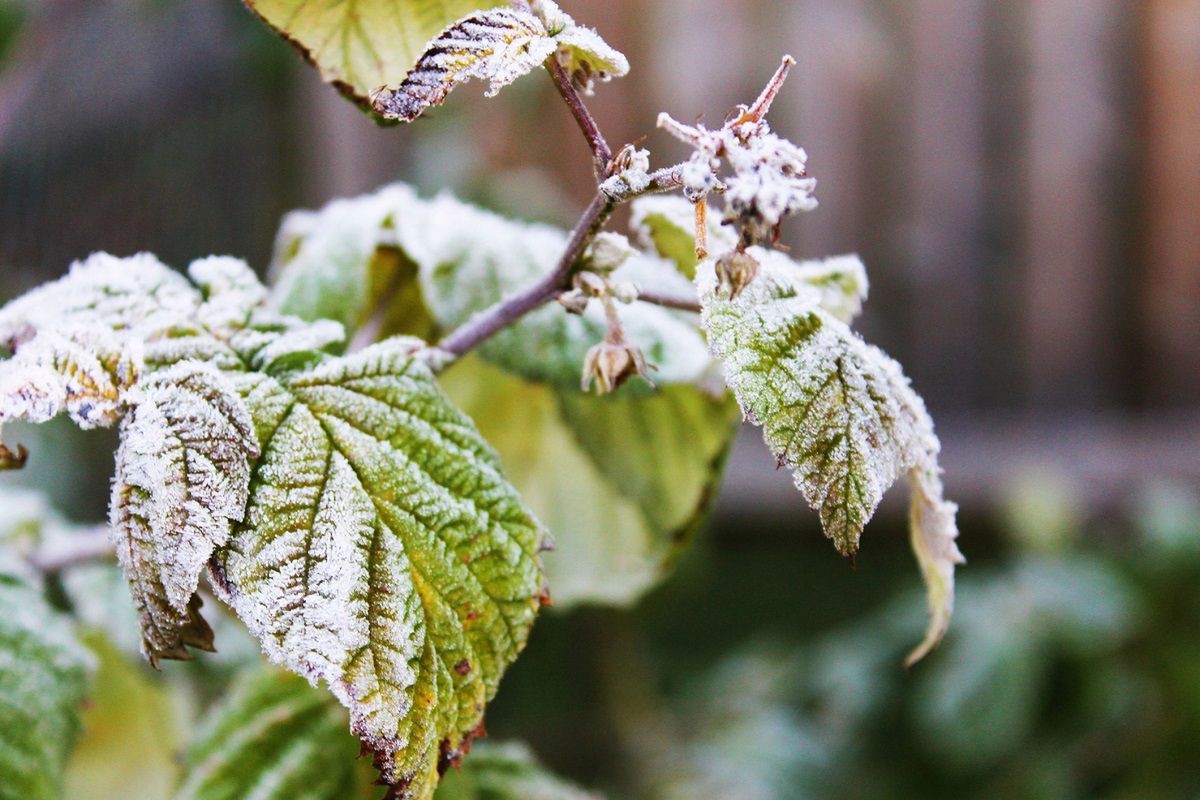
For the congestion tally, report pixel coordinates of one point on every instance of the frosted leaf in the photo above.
(384, 553)
(136, 298)
(183, 476)
(275, 338)
(464, 260)
(498, 46)
(585, 56)
(43, 682)
(77, 342)
(841, 280)
(666, 224)
(621, 481)
(360, 44)
(232, 292)
(836, 410)
(272, 737)
(933, 530)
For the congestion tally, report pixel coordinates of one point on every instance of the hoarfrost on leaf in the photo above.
(384, 553)
(498, 46)
(836, 410)
(183, 476)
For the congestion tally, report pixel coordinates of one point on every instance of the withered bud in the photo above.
(607, 252)
(736, 270)
(591, 284)
(10, 460)
(609, 364)
(575, 301)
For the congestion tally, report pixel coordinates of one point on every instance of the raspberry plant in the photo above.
(385, 464)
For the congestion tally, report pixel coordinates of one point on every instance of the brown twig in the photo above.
(488, 323)
(670, 301)
(601, 152)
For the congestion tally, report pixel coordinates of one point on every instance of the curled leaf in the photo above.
(836, 410)
(498, 46)
(183, 476)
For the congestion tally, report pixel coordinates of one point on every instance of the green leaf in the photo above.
(468, 259)
(378, 547)
(131, 733)
(836, 410)
(385, 553)
(272, 737)
(622, 481)
(43, 678)
(618, 519)
(507, 771)
(360, 45)
(666, 224)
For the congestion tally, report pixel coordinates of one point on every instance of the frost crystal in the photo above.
(769, 180)
(631, 174)
(498, 46)
(836, 410)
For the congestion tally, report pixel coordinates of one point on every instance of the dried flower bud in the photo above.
(575, 301)
(769, 180)
(736, 270)
(608, 252)
(591, 284)
(11, 460)
(629, 173)
(611, 363)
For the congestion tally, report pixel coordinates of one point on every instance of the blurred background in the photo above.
(1023, 181)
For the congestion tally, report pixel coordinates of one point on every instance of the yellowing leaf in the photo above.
(359, 45)
(384, 553)
(836, 410)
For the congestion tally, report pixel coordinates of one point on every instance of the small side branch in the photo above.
(601, 152)
(670, 301)
(495, 319)
(79, 549)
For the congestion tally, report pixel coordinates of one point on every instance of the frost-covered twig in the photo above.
(601, 152)
(76, 550)
(483, 326)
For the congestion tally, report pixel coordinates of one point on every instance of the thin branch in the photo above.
(488, 323)
(670, 301)
(76, 550)
(601, 152)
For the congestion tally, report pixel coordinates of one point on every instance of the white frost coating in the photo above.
(769, 180)
(232, 292)
(633, 178)
(841, 280)
(836, 410)
(183, 478)
(288, 336)
(136, 297)
(497, 46)
(933, 531)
